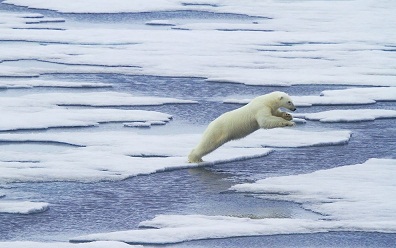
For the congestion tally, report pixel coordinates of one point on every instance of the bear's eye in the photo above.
(289, 102)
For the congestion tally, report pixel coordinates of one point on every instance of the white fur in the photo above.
(261, 112)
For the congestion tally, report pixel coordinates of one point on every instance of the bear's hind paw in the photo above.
(194, 159)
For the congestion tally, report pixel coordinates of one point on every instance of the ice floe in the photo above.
(280, 137)
(307, 101)
(45, 118)
(179, 228)
(160, 23)
(357, 197)
(99, 156)
(96, 99)
(22, 207)
(353, 48)
(222, 26)
(116, 155)
(349, 96)
(374, 93)
(349, 198)
(102, 6)
(99, 244)
(41, 111)
(12, 84)
(144, 124)
(349, 115)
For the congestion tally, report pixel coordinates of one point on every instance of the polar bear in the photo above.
(261, 112)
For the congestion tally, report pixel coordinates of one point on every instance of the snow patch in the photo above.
(42, 111)
(22, 207)
(95, 156)
(350, 96)
(374, 93)
(45, 118)
(280, 137)
(100, 156)
(144, 124)
(349, 115)
(350, 50)
(179, 228)
(95, 99)
(10, 84)
(366, 188)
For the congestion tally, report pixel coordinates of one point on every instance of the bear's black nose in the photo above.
(294, 109)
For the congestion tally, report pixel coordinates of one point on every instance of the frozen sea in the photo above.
(101, 102)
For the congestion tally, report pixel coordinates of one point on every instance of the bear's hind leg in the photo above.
(205, 147)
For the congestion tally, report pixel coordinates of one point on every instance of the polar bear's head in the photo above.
(285, 101)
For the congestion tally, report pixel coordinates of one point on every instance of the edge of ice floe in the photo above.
(349, 115)
(19, 84)
(121, 149)
(334, 192)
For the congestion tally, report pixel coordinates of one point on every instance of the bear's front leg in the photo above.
(289, 124)
(283, 115)
(273, 122)
(287, 116)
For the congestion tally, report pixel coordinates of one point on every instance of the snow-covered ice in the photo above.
(349, 96)
(358, 197)
(310, 42)
(116, 155)
(160, 23)
(349, 198)
(22, 207)
(280, 137)
(12, 84)
(102, 6)
(179, 228)
(96, 99)
(307, 101)
(63, 117)
(349, 115)
(99, 244)
(41, 111)
(374, 93)
(144, 124)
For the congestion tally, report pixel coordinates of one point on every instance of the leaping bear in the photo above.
(261, 112)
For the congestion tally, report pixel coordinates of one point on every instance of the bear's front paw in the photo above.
(287, 116)
(289, 124)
